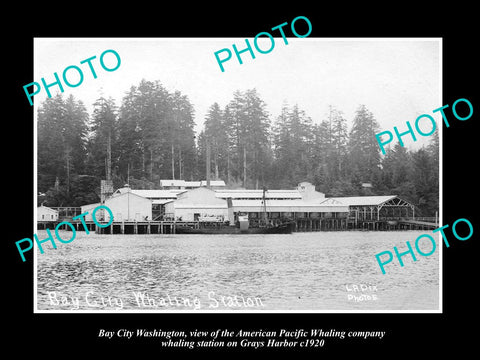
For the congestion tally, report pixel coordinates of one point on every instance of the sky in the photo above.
(397, 79)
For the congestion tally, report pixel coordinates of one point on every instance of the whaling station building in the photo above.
(191, 203)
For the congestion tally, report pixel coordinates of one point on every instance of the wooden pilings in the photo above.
(339, 224)
(140, 227)
(301, 225)
(332, 224)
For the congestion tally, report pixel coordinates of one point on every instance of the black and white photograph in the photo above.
(279, 178)
(274, 174)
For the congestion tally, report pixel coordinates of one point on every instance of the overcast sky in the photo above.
(397, 79)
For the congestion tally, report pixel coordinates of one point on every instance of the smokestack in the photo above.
(208, 165)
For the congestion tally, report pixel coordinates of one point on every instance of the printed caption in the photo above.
(254, 339)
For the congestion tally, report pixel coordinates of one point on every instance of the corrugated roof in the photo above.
(283, 203)
(47, 208)
(213, 183)
(200, 206)
(171, 182)
(363, 200)
(192, 183)
(258, 194)
(161, 201)
(256, 191)
(158, 194)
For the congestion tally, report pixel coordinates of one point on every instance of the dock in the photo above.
(301, 225)
(124, 227)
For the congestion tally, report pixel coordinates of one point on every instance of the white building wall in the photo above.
(45, 213)
(89, 208)
(129, 207)
(200, 203)
(204, 214)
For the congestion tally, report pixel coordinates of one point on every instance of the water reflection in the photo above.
(302, 271)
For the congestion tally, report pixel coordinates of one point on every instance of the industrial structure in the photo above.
(194, 204)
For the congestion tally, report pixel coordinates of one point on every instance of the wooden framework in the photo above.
(391, 209)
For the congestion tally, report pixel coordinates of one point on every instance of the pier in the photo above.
(301, 225)
(338, 224)
(123, 227)
(205, 208)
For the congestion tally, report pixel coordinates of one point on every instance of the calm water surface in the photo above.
(300, 271)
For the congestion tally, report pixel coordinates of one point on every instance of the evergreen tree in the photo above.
(75, 134)
(103, 135)
(293, 144)
(157, 127)
(50, 151)
(364, 153)
(433, 150)
(61, 139)
(322, 176)
(156, 134)
(338, 144)
(397, 174)
(201, 158)
(216, 135)
(422, 174)
(250, 126)
(152, 137)
(128, 144)
(184, 135)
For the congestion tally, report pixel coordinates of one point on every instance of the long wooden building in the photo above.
(310, 209)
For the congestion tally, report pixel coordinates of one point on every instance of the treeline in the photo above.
(151, 136)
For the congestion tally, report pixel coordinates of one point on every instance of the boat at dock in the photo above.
(281, 228)
(243, 225)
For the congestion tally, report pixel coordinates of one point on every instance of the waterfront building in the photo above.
(308, 208)
(45, 213)
(376, 208)
(125, 205)
(200, 204)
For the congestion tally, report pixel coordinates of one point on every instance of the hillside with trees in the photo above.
(150, 136)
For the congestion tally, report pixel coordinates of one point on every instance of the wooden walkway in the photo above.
(416, 223)
(123, 227)
(301, 225)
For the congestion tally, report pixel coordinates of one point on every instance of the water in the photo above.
(314, 271)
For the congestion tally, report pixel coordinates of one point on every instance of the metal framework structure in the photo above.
(396, 202)
(394, 208)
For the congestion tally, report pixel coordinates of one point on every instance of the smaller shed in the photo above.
(45, 213)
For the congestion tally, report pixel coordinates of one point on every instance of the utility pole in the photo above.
(244, 166)
(180, 164)
(68, 171)
(108, 169)
(151, 165)
(208, 165)
(173, 162)
(228, 166)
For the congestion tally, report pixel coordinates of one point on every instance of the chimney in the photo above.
(208, 165)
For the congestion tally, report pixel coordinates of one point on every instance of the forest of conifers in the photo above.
(151, 136)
